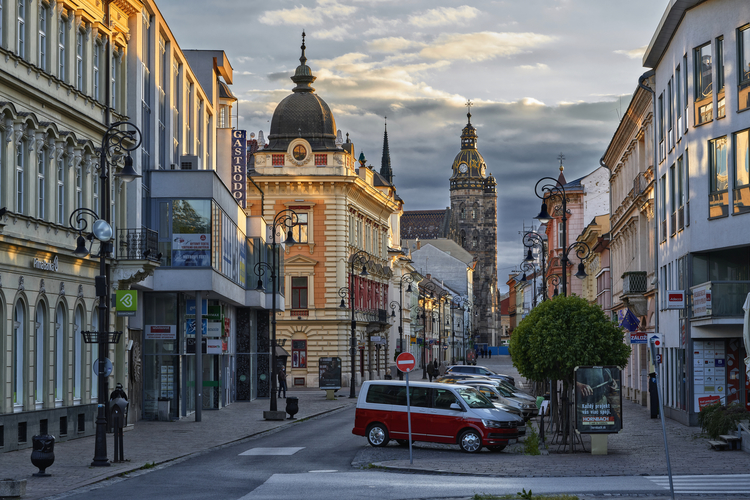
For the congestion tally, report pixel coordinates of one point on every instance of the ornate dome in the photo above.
(302, 114)
(469, 155)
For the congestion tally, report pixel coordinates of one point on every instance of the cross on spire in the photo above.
(561, 157)
(469, 104)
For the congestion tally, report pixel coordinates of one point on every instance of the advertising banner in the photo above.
(702, 300)
(598, 399)
(191, 250)
(329, 373)
(239, 166)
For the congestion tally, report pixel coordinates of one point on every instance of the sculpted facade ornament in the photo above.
(21, 286)
(62, 289)
(42, 289)
(80, 291)
(8, 129)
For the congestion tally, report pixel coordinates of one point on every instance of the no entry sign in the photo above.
(406, 362)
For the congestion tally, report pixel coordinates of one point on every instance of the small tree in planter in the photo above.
(717, 419)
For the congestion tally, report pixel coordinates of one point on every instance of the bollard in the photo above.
(43, 453)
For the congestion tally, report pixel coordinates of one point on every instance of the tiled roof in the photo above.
(423, 224)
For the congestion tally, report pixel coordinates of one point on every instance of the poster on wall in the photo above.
(709, 373)
(329, 373)
(598, 399)
(160, 332)
(191, 250)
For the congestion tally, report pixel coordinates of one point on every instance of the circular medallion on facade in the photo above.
(300, 152)
(463, 168)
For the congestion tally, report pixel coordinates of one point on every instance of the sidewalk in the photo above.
(637, 450)
(159, 442)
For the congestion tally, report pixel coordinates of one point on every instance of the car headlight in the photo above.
(497, 424)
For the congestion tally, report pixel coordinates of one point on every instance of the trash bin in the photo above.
(292, 406)
(164, 409)
(43, 453)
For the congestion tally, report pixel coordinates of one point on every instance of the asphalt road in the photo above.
(320, 459)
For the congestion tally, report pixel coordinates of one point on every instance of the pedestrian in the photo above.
(489, 352)
(282, 380)
(441, 369)
(653, 392)
(429, 370)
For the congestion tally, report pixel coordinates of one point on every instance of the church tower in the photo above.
(474, 226)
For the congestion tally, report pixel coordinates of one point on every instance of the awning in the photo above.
(280, 351)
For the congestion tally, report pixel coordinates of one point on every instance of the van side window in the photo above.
(384, 394)
(417, 397)
(444, 399)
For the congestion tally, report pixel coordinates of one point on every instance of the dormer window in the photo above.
(300, 152)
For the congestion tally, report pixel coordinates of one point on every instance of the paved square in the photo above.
(272, 451)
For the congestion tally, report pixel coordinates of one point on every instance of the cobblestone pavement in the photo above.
(159, 442)
(637, 450)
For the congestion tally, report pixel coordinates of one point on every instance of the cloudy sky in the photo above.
(545, 76)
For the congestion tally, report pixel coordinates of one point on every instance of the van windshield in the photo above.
(474, 398)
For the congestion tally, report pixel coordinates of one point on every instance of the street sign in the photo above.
(657, 339)
(638, 337)
(406, 362)
(107, 367)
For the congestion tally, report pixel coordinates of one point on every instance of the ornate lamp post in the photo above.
(359, 258)
(440, 296)
(548, 188)
(465, 304)
(287, 219)
(529, 267)
(115, 144)
(406, 278)
(426, 291)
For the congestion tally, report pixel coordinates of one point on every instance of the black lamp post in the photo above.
(530, 267)
(406, 278)
(426, 290)
(115, 144)
(287, 219)
(440, 296)
(465, 304)
(359, 258)
(551, 188)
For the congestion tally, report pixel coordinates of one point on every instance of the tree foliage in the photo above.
(563, 333)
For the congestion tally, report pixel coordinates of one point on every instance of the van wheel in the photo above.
(470, 441)
(496, 448)
(377, 435)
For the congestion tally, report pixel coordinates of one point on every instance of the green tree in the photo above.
(563, 333)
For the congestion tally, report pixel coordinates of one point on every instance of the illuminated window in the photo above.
(299, 152)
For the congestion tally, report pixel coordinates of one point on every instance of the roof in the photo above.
(668, 24)
(424, 224)
(445, 245)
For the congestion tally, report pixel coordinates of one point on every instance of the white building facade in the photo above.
(701, 56)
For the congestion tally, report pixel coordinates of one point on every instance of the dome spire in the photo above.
(469, 133)
(303, 76)
(468, 105)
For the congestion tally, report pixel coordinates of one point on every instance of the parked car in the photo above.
(527, 407)
(440, 413)
(479, 370)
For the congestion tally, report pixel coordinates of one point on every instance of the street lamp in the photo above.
(440, 295)
(465, 304)
(551, 188)
(359, 258)
(427, 289)
(531, 267)
(115, 144)
(287, 219)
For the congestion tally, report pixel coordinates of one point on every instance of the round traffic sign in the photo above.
(406, 362)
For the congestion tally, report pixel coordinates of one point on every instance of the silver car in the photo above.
(527, 408)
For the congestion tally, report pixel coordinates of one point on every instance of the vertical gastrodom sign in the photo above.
(239, 166)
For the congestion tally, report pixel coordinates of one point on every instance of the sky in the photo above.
(545, 76)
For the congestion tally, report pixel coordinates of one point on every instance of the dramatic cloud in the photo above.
(483, 45)
(443, 16)
(305, 16)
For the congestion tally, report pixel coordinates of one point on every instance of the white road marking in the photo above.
(271, 451)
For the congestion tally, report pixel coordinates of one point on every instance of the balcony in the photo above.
(718, 299)
(137, 244)
(634, 283)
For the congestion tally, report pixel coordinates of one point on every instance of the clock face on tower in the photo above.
(463, 168)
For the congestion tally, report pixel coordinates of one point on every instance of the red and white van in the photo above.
(440, 413)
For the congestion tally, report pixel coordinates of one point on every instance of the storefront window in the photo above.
(161, 361)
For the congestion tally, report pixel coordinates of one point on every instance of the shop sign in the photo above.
(190, 327)
(227, 327)
(213, 346)
(126, 302)
(638, 337)
(214, 329)
(675, 299)
(190, 312)
(46, 265)
(702, 300)
(161, 332)
(707, 400)
(239, 166)
(375, 338)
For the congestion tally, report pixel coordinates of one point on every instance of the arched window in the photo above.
(59, 353)
(21, 159)
(474, 211)
(40, 335)
(462, 211)
(78, 355)
(19, 348)
(41, 173)
(60, 190)
(463, 239)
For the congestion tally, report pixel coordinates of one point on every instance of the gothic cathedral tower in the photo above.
(474, 227)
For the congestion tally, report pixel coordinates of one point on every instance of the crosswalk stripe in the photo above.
(727, 484)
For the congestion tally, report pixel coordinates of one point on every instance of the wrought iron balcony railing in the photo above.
(137, 244)
(634, 282)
